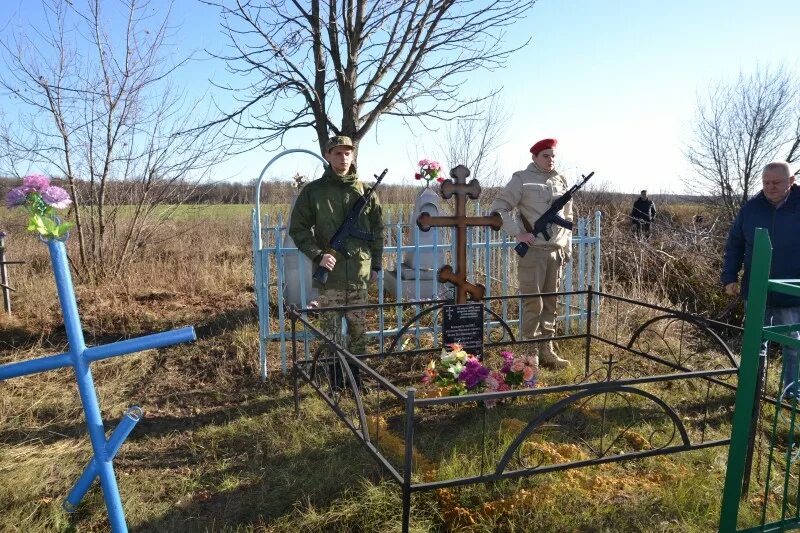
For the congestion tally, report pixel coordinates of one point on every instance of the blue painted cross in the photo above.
(79, 357)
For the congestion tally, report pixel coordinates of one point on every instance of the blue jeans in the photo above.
(777, 316)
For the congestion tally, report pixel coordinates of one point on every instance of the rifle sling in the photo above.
(525, 223)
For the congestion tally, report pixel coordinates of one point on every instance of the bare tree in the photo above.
(95, 105)
(472, 140)
(338, 67)
(738, 129)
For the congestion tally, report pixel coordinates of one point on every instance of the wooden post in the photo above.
(4, 275)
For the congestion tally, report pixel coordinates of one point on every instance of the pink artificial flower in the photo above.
(517, 365)
(423, 162)
(528, 373)
(36, 182)
(430, 373)
(16, 197)
(56, 197)
(497, 382)
(434, 165)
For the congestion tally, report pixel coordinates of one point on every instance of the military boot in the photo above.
(549, 359)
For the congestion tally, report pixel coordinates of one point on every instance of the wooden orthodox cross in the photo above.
(458, 185)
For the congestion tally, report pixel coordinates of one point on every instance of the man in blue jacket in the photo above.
(777, 209)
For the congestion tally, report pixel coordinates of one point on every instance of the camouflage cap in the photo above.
(339, 140)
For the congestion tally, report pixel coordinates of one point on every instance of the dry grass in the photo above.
(218, 450)
(678, 265)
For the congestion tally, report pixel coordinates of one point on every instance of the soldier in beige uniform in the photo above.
(530, 192)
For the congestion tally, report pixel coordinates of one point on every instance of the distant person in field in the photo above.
(777, 209)
(320, 209)
(530, 193)
(643, 214)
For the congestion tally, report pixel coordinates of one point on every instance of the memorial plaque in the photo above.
(463, 324)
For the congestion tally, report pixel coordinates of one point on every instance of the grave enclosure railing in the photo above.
(491, 261)
(614, 404)
(5, 284)
(762, 491)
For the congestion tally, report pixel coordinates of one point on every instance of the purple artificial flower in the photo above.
(474, 373)
(17, 196)
(36, 182)
(56, 197)
(508, 357)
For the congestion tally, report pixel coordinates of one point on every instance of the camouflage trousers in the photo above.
(330, 323)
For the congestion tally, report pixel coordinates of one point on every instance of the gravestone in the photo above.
(80, 357)
(422, 262)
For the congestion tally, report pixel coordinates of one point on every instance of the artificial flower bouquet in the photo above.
(456, 370)
(460, 373)
(40, 200)
(520, 371)
(429, 170)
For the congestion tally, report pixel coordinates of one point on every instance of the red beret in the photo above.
(544, 144)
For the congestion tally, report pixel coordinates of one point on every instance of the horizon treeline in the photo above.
(120, 192)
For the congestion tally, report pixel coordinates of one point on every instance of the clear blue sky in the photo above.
(616, 81)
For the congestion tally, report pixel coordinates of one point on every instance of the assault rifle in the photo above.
(550, 217)
(348, 229)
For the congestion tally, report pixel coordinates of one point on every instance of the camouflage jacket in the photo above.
(318, 212)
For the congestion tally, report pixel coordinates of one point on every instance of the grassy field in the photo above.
(218, 450)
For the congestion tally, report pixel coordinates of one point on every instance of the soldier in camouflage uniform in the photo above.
(320, 209)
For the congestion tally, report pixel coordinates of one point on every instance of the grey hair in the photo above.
(781, 167)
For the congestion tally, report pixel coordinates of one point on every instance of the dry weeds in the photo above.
(217, 449)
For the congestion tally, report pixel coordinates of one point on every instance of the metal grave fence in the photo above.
(490, 261)
(763, 495)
